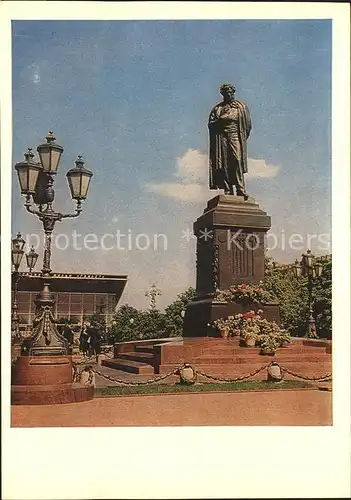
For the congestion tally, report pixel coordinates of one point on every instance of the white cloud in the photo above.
(178, 191)
(260, 169)
(192, 172)
(192, 167)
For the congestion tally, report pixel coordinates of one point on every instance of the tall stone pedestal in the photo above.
(230, 250)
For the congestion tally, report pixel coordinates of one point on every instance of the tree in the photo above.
(130, 323)
(68, 320)
(293, 299)
(151, 324)
(151, 295)
(173, 313)
(99, 320)
(322, 300)
(125, 324)
(292, 295)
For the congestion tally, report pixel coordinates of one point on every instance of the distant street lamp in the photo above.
(31, 258)
(309, 268)
(36, 181)
(17, 252)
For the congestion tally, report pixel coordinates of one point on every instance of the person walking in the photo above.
(68, 334)
(83, 340)
(95, 341)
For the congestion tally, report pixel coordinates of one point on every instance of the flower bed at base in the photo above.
(253, 385)
(253, 330)
(246, 292)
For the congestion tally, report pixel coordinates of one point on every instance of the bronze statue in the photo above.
(229, 127)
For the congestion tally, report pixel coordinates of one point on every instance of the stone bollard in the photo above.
(274, 373)
(187, 374)
(87, 376)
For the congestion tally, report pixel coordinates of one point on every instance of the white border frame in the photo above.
(188, 462)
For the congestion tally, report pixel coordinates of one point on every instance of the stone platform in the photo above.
(51, 394)
(311, 358)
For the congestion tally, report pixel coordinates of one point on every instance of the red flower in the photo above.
(249, 315)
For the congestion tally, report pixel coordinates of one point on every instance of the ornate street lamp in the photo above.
(28, 172)
(79, 180)
(50, 154)
(297, 268)
(31, 258)
(17, 252)
(36, 182)
(309, 268)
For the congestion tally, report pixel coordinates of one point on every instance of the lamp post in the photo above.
(309, 268)
(17, 252)
(36, 181)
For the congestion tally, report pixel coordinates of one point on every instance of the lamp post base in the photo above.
(312, 331)
(43, 380)
(51, 394)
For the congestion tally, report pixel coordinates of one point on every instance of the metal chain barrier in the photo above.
(237, 379)
(324, 378)
(108, 353)
(90, 359)
(176, 371)
(129, 382)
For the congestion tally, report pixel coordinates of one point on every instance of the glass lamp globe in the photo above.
(79, 180)
(28, 172)
(50, 153)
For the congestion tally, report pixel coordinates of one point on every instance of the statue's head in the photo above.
(228, 91)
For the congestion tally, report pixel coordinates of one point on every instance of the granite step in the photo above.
(142, 357)
(146, 349)
(252, 358)
(238, 370)
(227, 350)
(129, 366)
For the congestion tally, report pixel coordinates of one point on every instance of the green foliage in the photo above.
(66, 320)
(322, 301)
(130, 323)
(151, 294)
(292, 295)
(125, 324)
(252, 326)
(173, 313)
(98, 320)
(246, 292)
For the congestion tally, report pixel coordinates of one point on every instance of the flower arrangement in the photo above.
(254, 330)
(268, 344)
(245, 292)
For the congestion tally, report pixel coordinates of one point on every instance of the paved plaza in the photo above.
(279, 407)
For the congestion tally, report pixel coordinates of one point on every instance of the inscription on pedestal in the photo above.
(243, 255)
(234, 252)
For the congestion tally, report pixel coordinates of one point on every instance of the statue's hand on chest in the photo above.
(228, 112)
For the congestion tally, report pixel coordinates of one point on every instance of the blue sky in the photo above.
(133, 97)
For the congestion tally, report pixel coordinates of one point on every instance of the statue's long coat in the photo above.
(219, 157)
